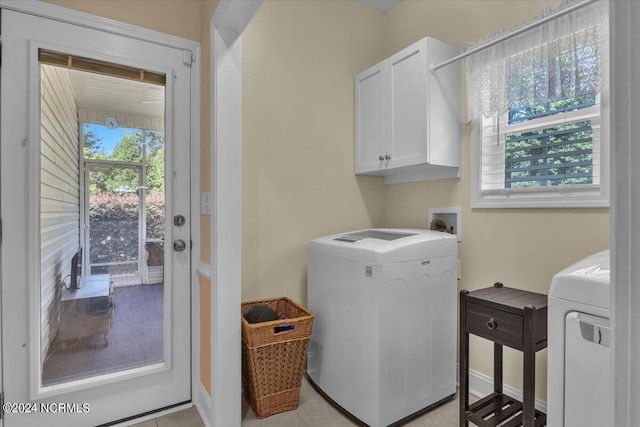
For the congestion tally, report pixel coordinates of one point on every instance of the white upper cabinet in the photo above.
(408, 124)
(370, 124)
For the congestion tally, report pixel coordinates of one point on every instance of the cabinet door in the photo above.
(408, 106)
(371, 126)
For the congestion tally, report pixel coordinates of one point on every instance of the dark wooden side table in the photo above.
(511, 317)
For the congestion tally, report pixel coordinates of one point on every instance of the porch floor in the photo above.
(136, 339)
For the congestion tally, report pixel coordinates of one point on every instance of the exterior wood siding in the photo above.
(125, 120)
(59, 192)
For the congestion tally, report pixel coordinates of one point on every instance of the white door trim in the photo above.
(625, 218)
(226, 231)
(227, 24)
(195, 222)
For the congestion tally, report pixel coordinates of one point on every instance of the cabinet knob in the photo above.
(387, 157)
(492, 324)
(380, 158)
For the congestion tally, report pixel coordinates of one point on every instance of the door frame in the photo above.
(625, 218)
(86, 165)
(93, 22)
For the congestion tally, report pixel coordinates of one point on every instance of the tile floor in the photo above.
(313, 411)
(186, 418)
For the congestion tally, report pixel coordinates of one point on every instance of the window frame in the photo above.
(587, 196)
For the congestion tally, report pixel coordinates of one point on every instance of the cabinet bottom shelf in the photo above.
(500, 410)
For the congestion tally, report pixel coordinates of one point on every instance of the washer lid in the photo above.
(387, 245)
(588, 281)
(373, 234)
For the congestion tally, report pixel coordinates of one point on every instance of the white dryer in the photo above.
(384, 336)
(578, 381)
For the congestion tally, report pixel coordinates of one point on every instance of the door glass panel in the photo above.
(102, 214)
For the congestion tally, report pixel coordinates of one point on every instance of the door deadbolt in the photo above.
(179, 245)
(179, 220)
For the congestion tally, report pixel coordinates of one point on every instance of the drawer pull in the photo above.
(492, 324)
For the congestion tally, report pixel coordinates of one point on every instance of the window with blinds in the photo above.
(549, 147)
(538, 103)
(554, 154)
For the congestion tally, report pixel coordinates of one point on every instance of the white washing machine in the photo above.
(384, 336)
(578, 381)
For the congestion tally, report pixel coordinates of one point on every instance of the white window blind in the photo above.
(542, 151)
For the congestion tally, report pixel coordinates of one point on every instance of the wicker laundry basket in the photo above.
(274, 356)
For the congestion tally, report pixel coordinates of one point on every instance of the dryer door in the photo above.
(587, 371)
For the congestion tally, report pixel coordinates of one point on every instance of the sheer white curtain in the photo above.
(556, 60)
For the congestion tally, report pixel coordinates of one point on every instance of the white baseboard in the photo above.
(203, 404)
(481, 385)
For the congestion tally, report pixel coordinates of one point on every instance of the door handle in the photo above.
(179, 245)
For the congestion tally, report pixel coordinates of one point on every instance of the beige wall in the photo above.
(205, 333)
(299, 59)
(208, 8)
(298, 62)
(177, 17)
(522, 248)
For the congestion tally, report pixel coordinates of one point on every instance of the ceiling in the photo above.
(382, 5)
(117, 95)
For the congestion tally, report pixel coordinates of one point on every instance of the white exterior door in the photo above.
(103, 396)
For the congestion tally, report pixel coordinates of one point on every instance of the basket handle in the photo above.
(283, 328)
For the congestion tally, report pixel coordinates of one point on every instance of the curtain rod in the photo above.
(514, 33)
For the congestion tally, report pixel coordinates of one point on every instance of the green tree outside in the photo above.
(129, 149)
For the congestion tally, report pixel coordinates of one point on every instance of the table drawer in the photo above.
(496, 325)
